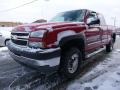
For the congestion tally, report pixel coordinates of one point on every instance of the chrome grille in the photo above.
(20, 38)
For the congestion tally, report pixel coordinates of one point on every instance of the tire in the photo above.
(6, 41)
(70, 63)
(114, 38)
(109, 47)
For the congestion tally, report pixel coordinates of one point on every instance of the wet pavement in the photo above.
(14, 76)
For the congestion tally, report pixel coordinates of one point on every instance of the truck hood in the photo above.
(44, 26)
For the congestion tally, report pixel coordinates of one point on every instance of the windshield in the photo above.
(70, 16)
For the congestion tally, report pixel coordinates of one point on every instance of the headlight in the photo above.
(38, 34)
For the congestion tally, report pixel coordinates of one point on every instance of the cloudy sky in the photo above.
(48, 8)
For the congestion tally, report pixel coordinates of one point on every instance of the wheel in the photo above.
(109, 47)
(70, 63)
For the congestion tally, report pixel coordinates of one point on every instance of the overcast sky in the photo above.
(47, 9)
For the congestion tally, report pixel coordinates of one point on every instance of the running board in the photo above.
(100, 50)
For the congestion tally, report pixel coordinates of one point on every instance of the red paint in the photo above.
(95, 36)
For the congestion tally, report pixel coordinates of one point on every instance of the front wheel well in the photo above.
(79, 43)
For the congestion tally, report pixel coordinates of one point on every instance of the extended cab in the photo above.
(62, 44)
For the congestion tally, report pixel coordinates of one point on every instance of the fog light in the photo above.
(36, 44)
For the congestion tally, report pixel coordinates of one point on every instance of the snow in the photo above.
(105, 76)
(28, 49)
(65, 34)
(3, 49)
(6, 31)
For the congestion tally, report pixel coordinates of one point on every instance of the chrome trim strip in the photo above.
(94, 42)
(20, 32)
(22, 37)
(26, 48)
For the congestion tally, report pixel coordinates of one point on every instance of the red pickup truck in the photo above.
(63, 43)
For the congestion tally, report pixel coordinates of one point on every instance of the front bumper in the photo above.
(44, 60)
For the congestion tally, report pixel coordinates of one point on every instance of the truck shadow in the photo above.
(35, 80)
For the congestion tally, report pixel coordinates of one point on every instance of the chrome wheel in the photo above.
(73, 63)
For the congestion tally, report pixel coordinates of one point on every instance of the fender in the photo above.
(79, 36)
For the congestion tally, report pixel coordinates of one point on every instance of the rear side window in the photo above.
(102, 20)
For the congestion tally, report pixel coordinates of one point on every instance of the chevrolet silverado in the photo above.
(63, 43)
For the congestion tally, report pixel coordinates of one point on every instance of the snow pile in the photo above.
(105, 76)
(3, 49)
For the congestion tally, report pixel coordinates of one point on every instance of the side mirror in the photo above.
(92, 21)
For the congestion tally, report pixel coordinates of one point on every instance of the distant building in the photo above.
(9, 24)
